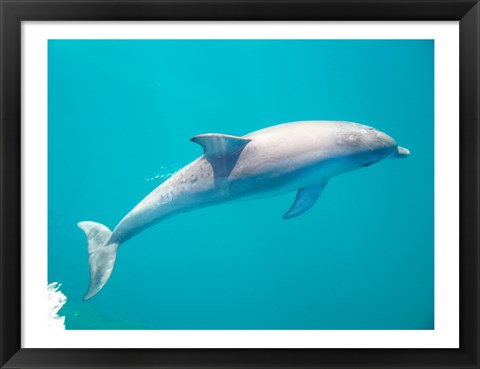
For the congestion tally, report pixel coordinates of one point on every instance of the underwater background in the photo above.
(120, 116)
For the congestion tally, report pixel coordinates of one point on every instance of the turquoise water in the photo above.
(121, 114)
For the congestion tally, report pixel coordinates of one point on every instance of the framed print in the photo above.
(239, 184)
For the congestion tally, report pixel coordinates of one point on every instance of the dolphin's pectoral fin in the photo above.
(306, 198)
(215, 143)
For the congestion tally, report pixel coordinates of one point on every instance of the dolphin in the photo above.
(297, 156)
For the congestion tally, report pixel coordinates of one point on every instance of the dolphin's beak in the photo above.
(401, 152)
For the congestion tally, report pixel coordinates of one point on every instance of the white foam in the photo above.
(56, 299)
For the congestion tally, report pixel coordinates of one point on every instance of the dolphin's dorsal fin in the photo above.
(216, 143)
(306, 198)
(222, 152)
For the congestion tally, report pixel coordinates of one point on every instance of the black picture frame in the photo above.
(13, 12)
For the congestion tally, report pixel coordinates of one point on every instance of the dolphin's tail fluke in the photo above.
(101, 255)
